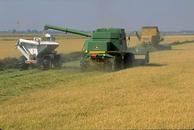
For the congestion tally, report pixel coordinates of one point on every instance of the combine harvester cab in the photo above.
(38, 52)
(105, 48)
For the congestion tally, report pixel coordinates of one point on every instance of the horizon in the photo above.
(89, 15)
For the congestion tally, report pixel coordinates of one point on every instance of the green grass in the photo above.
(14, 82)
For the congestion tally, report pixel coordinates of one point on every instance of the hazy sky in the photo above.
(90, 14)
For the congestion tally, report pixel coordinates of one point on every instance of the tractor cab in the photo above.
(48, 37)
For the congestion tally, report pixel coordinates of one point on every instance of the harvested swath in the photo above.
(8, 63)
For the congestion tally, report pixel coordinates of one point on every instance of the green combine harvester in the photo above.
(105, 48)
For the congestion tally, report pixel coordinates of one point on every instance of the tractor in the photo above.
(38, 52)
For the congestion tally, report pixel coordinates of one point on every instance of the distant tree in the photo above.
(14, 31)
(29, 31)
(34, 31)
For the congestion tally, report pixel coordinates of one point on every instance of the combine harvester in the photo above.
(106, 48)
(150, 39)
(150, 35)
(39, 51)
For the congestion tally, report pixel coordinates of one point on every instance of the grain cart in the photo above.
(105, 47)
(39, 51)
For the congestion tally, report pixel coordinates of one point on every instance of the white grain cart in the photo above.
(39, 52)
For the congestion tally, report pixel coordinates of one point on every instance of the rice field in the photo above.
(68, 45)
(158, 95)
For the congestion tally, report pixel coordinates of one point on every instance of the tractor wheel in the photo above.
(57, 61)
(46, 63)
(129, 59)
(21, 63)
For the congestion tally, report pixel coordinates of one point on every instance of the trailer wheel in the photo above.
(129, 59)
(21, 63)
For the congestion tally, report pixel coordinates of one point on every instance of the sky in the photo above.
(169, 15)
